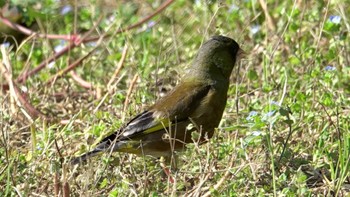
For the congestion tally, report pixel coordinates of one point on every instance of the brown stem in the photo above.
(223, 179)
(76, 42)
(119, 67)
(131, 87)
(142, 21)
(69, 68)
(80, 81)
(270, 22)
(22, 78)
(57, 185)
(29, 32)
(72, 45)
(16, 93)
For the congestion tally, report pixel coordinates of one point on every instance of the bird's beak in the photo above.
(241, 54)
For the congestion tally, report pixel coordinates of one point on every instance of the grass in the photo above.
(285, 131)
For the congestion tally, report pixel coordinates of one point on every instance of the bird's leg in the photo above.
(166, 169)
(173, 162)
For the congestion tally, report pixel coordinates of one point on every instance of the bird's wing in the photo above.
(174, 108)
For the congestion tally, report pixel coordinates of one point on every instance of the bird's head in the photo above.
(216, 58)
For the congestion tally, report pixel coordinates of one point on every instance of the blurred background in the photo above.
(74, 71)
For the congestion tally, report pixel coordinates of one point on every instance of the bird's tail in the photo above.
(102, 147)
(83, 157)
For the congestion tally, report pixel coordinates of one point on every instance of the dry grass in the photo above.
(284, 131)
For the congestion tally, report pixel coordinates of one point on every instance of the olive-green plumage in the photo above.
(196, 104)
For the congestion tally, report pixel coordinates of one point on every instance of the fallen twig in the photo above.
(42, 65)
(128, 95)
(76, 42)
(270, 22)
(29, 32)
(80, 81)
(28, 110)
(70, 67)
(119, 67)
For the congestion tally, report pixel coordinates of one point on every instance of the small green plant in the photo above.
(84, 69)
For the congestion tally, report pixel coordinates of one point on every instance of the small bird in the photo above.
(195, 105)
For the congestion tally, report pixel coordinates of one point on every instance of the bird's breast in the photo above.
(210, 110)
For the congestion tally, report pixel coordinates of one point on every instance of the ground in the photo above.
(285, 130)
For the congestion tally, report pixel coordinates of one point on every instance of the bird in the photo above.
(189, 113)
